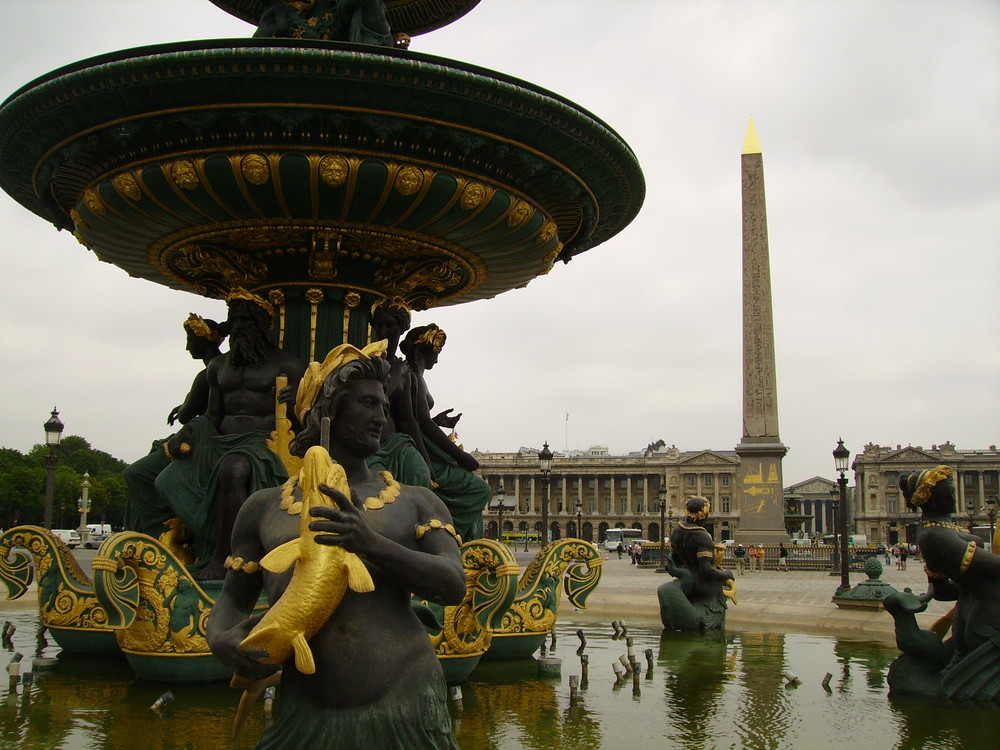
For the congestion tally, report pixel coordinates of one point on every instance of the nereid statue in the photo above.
(371, 678)
(966, 664)
(696, 600)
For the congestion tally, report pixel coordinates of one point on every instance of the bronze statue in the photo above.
(219, 459)
(398, 453)
(375, 681)
(145, 510)
(464, 492)
(966, 665)
(696, 600)
(359, 21)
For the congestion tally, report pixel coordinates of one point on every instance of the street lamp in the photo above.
(53, 434)
(84, 506)
(841, 459)
(991, 513)
(579, 518)
(545, 466)
(662, 500)
(496, 503)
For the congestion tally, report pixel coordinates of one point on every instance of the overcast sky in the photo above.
(879, 124)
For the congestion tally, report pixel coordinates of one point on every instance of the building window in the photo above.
(989, 479)
(724, 503)
(725, 480)
(970, 478)
(607, 506)
(891, 478)
(624, 483)
(707, 480)
(638, 506)
(892, 504)
(691, 479)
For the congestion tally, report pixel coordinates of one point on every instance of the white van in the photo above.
(71, 537)
(99, 528)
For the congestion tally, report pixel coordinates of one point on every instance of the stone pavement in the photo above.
(767, 600)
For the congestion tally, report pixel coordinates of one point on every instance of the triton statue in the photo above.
(464, 492)
(364, 673)
(966, 665)
(221, 458)
(696, 600)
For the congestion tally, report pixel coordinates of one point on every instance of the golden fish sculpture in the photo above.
(323, 572)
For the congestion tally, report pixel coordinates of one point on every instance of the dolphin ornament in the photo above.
(322, 575)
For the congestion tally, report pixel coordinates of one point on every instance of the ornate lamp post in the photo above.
(53, 434)
(84, 507)
(662, 502)
(497, 504)
(841, 458)
(991, 513)
(835, 555)
(545, 466)
(579, 518)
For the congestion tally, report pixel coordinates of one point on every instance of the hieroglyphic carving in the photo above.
(760, 406)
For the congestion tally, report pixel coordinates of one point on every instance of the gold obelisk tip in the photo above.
(750, 143)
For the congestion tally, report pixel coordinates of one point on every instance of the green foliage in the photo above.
(23, 477)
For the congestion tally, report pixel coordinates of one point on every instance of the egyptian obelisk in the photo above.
(759, 481)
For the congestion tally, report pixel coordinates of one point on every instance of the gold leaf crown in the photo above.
(926, 481)
(317, 372)
(238, 292)
(197, 325)
(389, 303)
(433, 336)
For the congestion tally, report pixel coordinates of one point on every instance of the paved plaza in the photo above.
(769, 599)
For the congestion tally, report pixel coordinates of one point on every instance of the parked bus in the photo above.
(612, 538)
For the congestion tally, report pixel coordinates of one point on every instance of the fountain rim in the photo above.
(235, 43)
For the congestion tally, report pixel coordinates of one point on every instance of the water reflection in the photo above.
(704, 691)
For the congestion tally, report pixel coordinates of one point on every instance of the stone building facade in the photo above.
(591, 491)
(878, 508)
(601, 491)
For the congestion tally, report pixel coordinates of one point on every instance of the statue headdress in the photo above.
(698, 508)
(391, 302)
(238, 292)
(433, 336)
(197, 325)
(925, 483)
(317, 372)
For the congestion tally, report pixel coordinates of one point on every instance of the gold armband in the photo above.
(970, 552)
(706, 553)
(436, 524)
(238, 563)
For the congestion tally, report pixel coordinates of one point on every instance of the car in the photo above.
(95, 540)
(70, 537)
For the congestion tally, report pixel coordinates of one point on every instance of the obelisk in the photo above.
(759, 481)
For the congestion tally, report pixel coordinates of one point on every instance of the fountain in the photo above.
(323, 171)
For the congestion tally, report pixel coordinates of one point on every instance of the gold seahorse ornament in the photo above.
(323, 572)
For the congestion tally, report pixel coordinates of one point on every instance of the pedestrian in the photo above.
(620, 549)
(740, 554)
(782, 557)
(903, 552)
(760, 557)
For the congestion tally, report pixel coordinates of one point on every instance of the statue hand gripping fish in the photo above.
(322, 575)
